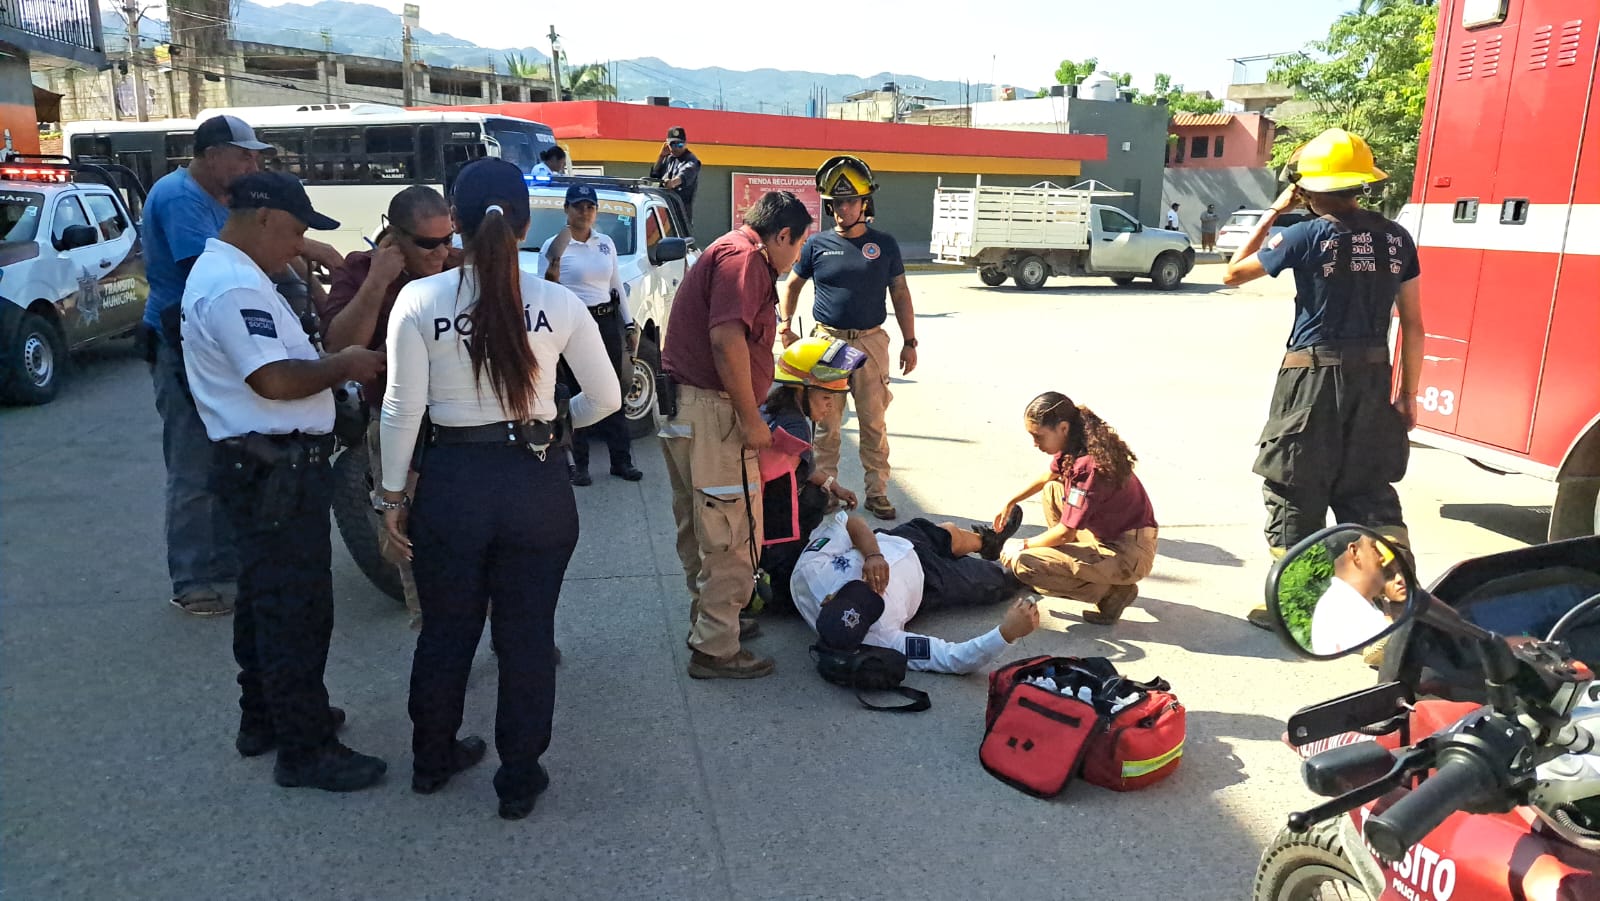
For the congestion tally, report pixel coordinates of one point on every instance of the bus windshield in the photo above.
(520, 142)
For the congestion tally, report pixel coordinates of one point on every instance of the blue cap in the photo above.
(581, 193)
(490, 182)
(845, 618)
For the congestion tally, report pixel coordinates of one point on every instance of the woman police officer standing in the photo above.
(585, 261)
(494, 518)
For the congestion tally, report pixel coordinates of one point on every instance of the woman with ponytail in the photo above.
(494, 518)
(1101, 539)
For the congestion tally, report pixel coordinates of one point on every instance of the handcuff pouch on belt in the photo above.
(270, 470)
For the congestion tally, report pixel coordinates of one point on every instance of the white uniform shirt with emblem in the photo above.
(235, 322)
(590, 270)
(830, 561)
(430, 368)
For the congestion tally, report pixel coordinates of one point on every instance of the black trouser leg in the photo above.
(286, 596)
(949, 580)
(1378, 450)
(613, 430)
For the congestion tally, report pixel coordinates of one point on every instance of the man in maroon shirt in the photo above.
(415, 244)
(720, 334)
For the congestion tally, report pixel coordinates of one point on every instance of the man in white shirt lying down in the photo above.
(894, 575)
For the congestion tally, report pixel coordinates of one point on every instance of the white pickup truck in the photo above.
(1030, 234)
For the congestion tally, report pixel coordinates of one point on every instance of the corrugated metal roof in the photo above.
(1212, 120)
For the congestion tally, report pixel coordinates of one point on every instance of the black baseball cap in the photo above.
(845, 618)
(219, 130)
(277, 191)
(676, 133)
(487, 183)
(581, 193)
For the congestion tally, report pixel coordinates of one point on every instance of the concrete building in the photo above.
(64, 29)
(886, 104)
(269, 75)
(1220, 141)
(744, 154)
(1136, 138)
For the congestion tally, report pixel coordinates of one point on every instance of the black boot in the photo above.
(626, 470)
(993, 541)
(255, 739)
(580, 475)
(516, 801)
(468, 751)
(333, 767)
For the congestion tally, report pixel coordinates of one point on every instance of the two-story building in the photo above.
(1221, 159)
(68, 29)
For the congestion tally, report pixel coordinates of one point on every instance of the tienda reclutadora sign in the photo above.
(749, 186)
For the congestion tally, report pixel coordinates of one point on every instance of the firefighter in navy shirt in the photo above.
(855, 266)
(1336, 433)
(264, 397)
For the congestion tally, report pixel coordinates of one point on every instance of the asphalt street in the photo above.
(118, 777)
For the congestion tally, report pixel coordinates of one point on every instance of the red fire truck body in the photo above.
(1506, 211)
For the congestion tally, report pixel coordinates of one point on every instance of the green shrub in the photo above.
(1302, 583)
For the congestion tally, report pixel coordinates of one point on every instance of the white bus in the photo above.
(352, 157)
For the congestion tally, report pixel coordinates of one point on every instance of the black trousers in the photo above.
(1332, 440)
(283, 616)
(948, 580)
(490, 523)
(613, 430)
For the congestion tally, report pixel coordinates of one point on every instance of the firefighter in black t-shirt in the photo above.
(1336, 434)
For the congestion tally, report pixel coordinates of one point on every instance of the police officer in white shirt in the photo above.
(585, 260)
(915, 566)
(494, 516)
(263, 394)
(1347, 614)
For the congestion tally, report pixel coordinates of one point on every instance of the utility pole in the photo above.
(130, 9)
(411, 17)
(327, 66)
(555, 64)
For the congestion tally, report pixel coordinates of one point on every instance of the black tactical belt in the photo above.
(535, 434)
(274, 450)
(1312, 357)
(602, 310)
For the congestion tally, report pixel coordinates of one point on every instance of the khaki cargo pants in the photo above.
(869, 387)
(385, 546)
(705, 456)
(1088, 568)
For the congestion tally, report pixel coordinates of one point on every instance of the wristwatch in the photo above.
(912, 344)
(384, 505)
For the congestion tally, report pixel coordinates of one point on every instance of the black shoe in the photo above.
(333, 768)
(518, 807)
(626, 471)
(468, 752)
(580, 476)
(993, 541)
(255, 740)
(749, 627)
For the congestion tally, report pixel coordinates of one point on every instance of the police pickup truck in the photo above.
(1030, 234)
(654, 251)
(71, 267)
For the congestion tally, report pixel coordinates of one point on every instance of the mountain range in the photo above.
(367, 30)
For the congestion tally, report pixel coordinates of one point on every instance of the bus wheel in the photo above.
(1574, 514)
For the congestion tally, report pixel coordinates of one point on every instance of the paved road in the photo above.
(118, 779)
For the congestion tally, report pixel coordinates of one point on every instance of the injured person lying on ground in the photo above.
(908, 569)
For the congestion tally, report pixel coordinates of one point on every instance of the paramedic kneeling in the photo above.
(263, 395)
(895, 575)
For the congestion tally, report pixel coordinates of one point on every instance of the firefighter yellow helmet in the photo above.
(817, 362)
(845, 176)
(1335, 160)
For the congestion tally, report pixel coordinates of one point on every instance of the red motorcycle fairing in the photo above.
(1473, 857)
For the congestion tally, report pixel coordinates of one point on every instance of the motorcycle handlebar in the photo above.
(1461, 778)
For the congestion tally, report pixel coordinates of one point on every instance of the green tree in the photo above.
(519, 66)
(589, 81)
(1369, 76)
(1070, 72)
(1178, 100)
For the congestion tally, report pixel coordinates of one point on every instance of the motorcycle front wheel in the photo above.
(1308, 866)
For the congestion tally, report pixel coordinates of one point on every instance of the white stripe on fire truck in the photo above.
(1548, 226)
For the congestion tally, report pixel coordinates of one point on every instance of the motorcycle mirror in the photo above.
(1341, 590)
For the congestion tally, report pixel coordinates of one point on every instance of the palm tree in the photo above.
(520, 66)
(590, 81)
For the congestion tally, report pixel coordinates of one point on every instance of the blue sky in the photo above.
(1018, 41)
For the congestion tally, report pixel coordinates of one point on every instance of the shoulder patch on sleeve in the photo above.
(817, 545)
(260, 323)
(918, 647)
(1275, 240)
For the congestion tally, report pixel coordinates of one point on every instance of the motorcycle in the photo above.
(1473, 771)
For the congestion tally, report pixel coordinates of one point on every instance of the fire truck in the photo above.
(1506, 212)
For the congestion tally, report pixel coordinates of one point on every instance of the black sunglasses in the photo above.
(421, 242)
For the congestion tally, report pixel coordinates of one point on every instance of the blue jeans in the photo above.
(200, 551)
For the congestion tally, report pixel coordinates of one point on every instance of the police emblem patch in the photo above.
(871, 250)
(918, 647)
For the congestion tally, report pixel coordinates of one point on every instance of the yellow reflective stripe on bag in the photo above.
(1135, 768)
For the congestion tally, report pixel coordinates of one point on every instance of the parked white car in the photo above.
(1242, 222)
(71, 270)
